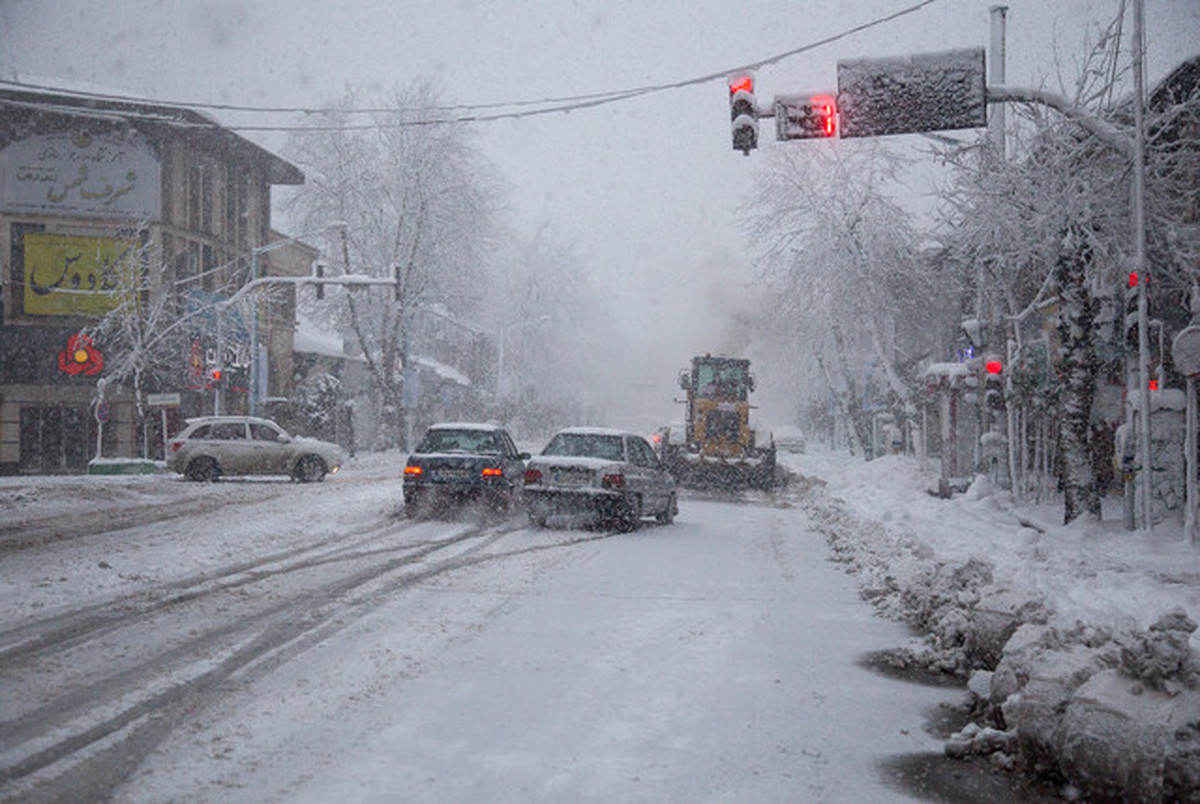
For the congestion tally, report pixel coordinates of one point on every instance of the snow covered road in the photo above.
(292, 643)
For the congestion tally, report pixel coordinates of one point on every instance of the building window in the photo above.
(207, 200)
(236, 190)
(192, 186)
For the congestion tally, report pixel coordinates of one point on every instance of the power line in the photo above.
(478, 112)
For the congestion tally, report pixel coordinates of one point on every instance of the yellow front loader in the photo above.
(718, 448)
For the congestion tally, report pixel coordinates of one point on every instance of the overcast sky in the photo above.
(648, 188)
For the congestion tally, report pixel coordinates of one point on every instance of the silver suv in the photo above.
(212, 446)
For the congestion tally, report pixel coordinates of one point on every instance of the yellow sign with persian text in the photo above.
(73, 275)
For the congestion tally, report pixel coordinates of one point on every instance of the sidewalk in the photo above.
(1078, 641)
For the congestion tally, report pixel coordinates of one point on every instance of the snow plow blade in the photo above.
(696, 472)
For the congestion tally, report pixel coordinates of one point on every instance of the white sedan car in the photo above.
(609, 475)
(212, 446)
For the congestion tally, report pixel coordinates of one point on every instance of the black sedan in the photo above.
(460, 462)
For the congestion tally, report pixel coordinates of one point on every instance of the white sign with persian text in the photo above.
(82, 175)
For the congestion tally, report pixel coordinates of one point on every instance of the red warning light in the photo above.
(993, 367)
(824, 108)
(1154, 385)
(1133, 279)
(742, 83)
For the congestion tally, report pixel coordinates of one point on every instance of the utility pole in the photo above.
(996, 78)
(1139, 256)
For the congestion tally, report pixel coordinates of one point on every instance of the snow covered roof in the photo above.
(946, 370)
(442, 370)
(53, 98)
(311, 340)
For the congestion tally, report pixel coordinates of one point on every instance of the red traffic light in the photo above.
(1136, 280)
(743, 112)
(993, 367)
(741, 83)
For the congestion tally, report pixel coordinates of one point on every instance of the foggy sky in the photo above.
(648, 188)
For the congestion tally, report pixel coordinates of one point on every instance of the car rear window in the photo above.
(479, 441)
(586, 445)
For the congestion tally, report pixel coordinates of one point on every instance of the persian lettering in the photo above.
(73, 275)
(109, 176)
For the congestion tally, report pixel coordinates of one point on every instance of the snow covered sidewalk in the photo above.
(1077, 641)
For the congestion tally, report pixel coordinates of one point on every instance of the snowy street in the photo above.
(251, 641)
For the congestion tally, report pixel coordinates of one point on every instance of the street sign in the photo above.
(912, 94)
(163, 400)
(803, 117)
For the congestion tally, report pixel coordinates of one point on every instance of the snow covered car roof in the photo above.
(466, 426)
(608, 431)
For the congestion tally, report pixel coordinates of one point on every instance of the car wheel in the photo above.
(667, 515)
(310, 469)
(631, 518)
(203, 470)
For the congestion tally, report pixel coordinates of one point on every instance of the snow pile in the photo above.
(1075, 642)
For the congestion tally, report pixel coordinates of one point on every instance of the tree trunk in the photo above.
(859, 419)
(839, 399)
(1076, 328)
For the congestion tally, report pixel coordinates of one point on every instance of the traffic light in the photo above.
(743, 113)
(1132, 292)
(805, 117)
(319, 273)
(993, 381)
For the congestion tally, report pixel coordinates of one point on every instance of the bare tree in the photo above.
(1050, 227)
(418, 204)
(143, 335)
(843, 259)
(551, 328)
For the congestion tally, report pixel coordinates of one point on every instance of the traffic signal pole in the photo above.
(1139, 255)
(857, 101)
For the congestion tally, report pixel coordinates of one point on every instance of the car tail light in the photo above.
(615, 481)
(175, 445)
(533, 475)
(490, 471)
(412, 471)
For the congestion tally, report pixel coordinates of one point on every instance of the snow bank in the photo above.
(1075, 642)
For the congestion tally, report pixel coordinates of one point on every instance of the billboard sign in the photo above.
(912, 94)
(82, 175)
(74, 275)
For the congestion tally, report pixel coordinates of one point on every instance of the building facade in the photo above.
(146, 217)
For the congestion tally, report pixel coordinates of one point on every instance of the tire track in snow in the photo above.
(96, 733)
